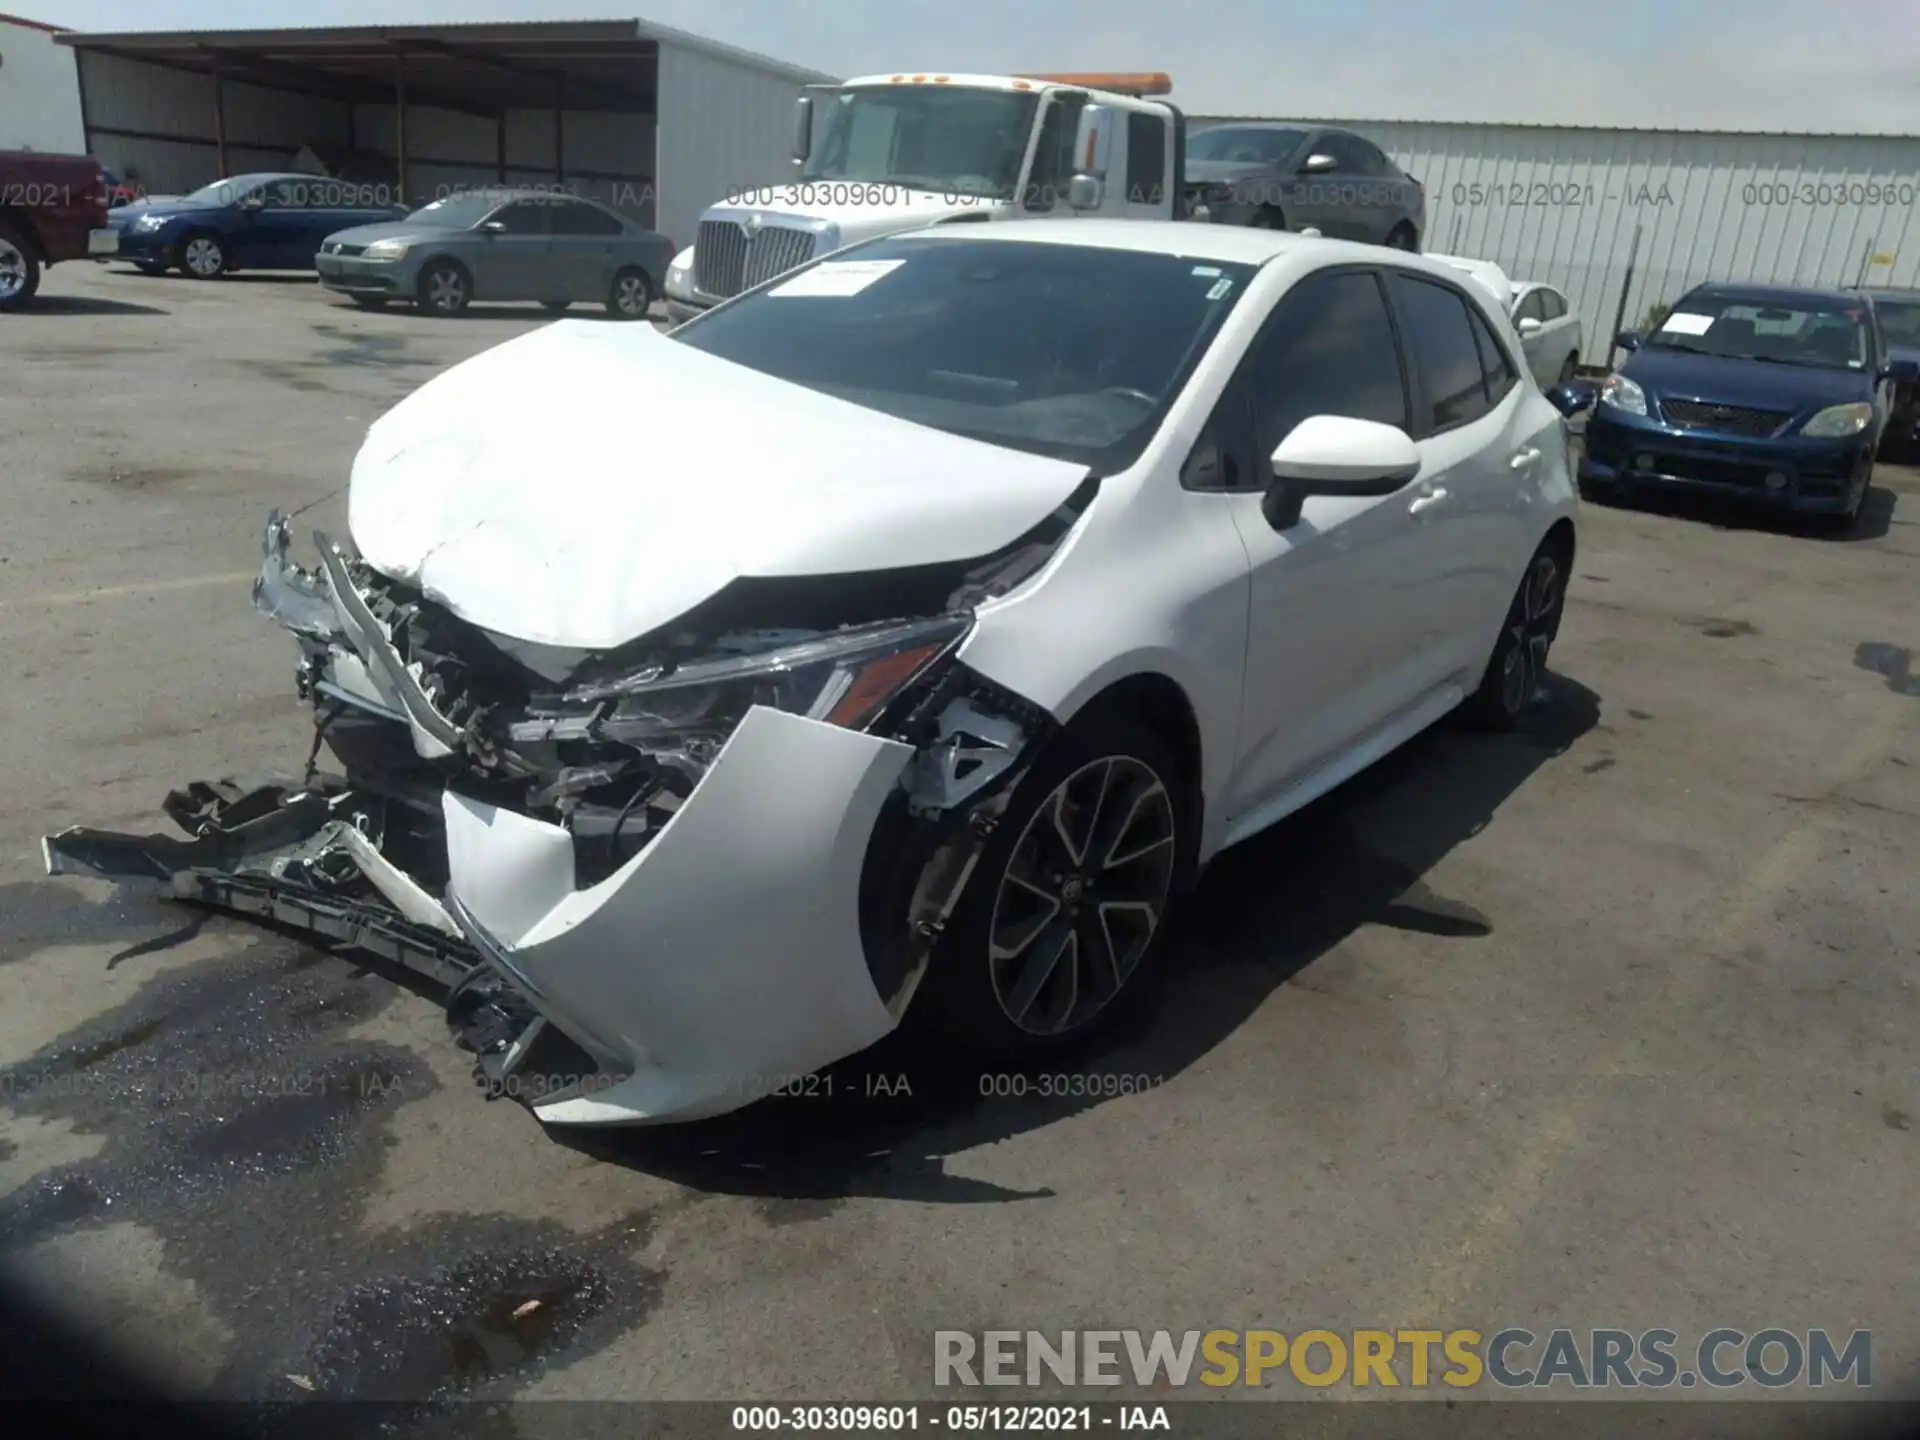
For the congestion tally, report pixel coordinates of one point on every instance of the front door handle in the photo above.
(1428, 498)
(1525, 458)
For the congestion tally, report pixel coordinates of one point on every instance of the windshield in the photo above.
(1900, 323)
(1061, 350)
(1831, 336)
(230, 190)
(1253, 147)
(950, 140)
(458, 212)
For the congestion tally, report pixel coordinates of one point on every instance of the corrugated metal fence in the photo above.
(1562, 205)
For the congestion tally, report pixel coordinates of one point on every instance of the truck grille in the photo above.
(1726, 419)
(726, 260)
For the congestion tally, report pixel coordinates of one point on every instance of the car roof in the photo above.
(1188, 239)
(1782, 294)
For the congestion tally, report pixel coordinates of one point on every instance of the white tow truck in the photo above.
(896, 152)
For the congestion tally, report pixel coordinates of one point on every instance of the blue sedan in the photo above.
(248, 222)
(1768, 394)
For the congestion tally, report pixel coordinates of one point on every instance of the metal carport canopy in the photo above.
(484, 69)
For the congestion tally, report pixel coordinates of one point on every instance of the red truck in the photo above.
(52, 208)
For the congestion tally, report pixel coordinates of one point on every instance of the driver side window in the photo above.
(1328, 349)
(524, 217)
(1053, 158)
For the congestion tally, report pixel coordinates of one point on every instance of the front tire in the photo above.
(203, 256)
(150, 267)
(1069, 899)
(19, 268)
(445, 289)
(1518, 668)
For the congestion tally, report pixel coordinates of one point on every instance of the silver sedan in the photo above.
(500, 245)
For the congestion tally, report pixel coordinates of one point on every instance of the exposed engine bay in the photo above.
(594, 852)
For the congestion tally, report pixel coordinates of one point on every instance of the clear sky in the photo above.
(1787, 65)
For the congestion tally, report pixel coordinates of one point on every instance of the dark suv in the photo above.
(1303, 177)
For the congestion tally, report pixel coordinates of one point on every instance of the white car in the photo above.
(897, 640)
(1550, 332)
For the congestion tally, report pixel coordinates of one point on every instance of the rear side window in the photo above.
(1496, 368)
(525, 217)
(1328, 349)
(1440, 334)
(1146, 159)
(573, 218)
(1553, 303)
(1534, 307)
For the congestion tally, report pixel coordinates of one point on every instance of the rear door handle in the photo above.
(1429, 498)
(1525, 458)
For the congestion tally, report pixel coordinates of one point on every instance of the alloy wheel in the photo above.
(630, 295)
(1530, 634)
(1082, 895)
(13, 269)
(203, 257)
(446, 290)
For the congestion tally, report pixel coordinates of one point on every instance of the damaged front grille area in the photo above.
(422, 710)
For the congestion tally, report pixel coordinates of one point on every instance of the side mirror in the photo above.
(252, 202)
(1628, 340)
(1319, 165)
(493, 227)
(1093, 141)
(1570, 400)
(1902, 370)
(802, 129)
(1084, 192)
(1337, 455)
(1528, 326)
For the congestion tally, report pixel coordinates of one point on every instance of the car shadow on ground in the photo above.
(881, 1123)
(90, 305)
(481, 310)
(1873, 522)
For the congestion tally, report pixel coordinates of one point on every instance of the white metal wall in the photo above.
(723, 127)
(1561, 205)
(39, 92)
(264, 127)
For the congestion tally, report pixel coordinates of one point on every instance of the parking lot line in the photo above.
(116, 592)
(1496, 1227)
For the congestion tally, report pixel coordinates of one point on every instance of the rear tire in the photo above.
(631, 296)
(19, 267)
(1268, 217)
(1050, 942)
(1518, 668)
(445, 289)
(1403, 237)
(557, 307)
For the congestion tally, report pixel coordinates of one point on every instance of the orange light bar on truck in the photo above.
(1145, 82)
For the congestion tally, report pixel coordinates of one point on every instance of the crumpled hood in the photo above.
(587, 483)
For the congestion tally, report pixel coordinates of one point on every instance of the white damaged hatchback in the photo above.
(970, 591)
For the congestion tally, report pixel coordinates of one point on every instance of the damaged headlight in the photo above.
(846, 678)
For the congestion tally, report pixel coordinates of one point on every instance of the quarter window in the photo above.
(1534, 307)
(1440, 334)
(1496, 367)
(524, 217)
(573, 218)
(1328, 349)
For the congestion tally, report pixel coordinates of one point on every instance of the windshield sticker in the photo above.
(1206, 270)
(1219, 290)
(1683, 323)
(837, 277)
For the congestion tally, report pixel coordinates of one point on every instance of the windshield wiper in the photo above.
(1672, 345)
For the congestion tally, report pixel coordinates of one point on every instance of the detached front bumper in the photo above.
(1792, 472)
(735, 953)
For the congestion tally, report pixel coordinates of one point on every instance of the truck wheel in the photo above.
(203, 256)
(19, 267)
(1402, 237)
(1268, 217)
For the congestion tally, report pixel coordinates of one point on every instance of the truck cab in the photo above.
(885, 153)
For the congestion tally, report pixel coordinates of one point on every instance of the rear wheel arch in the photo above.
(1560, 536)
(19, 225)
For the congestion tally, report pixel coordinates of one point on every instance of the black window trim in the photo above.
(1243, 426)
(1423, 414)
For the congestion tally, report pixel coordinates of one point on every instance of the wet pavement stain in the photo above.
(245, 1128)
(777, 1212)
(1641, 714)
(1892, 662)
(1896, 1119)
(124, 475)
(40, 913)
(369, 350)
(1606, 762)
(1726, 629)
